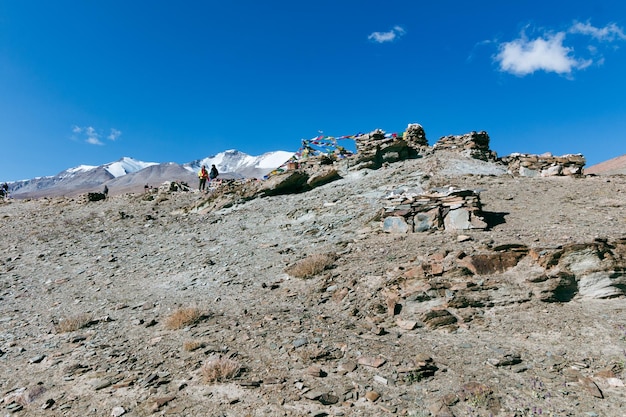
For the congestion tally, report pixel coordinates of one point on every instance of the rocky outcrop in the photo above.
(474, 145)
(449, 209)
(584, 270)
(544, 165)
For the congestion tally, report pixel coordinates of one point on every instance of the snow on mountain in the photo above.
(126, 165)
(233, 161)
(80, 168)
(87, 178)
(273, 160)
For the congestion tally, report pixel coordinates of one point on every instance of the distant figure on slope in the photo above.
(213, 173)
(4, 191)
(203, 175)
(105, 191)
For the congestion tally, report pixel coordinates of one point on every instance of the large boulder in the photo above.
(285, 183)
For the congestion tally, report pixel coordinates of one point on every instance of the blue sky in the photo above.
(88, 82)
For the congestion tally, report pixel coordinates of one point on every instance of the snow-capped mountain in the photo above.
(244, 165)
(131, 175)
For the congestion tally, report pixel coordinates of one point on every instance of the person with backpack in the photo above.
(203, 175)
(214, 173)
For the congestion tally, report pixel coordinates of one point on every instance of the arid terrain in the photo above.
(157, 304)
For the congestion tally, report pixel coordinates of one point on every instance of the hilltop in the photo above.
(135, 304)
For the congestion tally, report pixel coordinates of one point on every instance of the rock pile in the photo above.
(415, 136)
(174, 186)
(474, 145)
(544, 165)
(449, 209)
(375, 148)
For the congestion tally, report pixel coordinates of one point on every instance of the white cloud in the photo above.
(93, 140)
(114, 134)
(523, 56)
(382, 37)
(92, 136)
(550, 53)
(608, 33)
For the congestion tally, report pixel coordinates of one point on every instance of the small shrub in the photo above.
(311, 265)
(191, 345)
(312, 353)
(220, 370)
(74, 323)
(183, 317)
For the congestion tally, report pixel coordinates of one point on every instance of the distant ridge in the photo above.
(613, 166)
(131, 175)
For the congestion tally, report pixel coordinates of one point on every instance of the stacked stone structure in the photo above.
(449, 209)
(473, 144)
(415, 136)
(545, 165)
(375, 148)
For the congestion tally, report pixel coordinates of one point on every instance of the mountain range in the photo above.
(130, 175)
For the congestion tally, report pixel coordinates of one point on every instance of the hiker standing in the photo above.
(203, 175)
(214, 173)
(105, 191)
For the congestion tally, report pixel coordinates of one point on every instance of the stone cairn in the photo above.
(449, 209)
(473, 144)
(173, 186)
(544, 165)
(375, 148)
(415, 136)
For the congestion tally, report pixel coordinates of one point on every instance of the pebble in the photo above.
(36, 359)
(118, 411)
(372, 396)
(374, 362)
(300, 342)
(100, 383)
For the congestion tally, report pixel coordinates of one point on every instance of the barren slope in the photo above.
(327, 345)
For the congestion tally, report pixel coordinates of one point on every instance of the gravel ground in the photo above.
(90, 292)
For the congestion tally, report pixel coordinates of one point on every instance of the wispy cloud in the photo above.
(114, 134)
(608, 33)
(92, 136)
(392, 35)
(549, 52)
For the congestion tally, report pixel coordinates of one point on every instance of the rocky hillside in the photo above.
(254, 303)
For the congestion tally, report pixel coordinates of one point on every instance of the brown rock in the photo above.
(315, 371)
(372, 396)
(588, 385)
(374, 362)
(438, 318)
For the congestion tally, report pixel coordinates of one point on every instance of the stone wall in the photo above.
(544, 165)
(473, 144)
(449, 209)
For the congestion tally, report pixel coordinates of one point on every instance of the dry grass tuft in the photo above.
(312, 353)
(311, 265)
(191, 345)
(183, 317)
(220, 370)
(71, 324)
